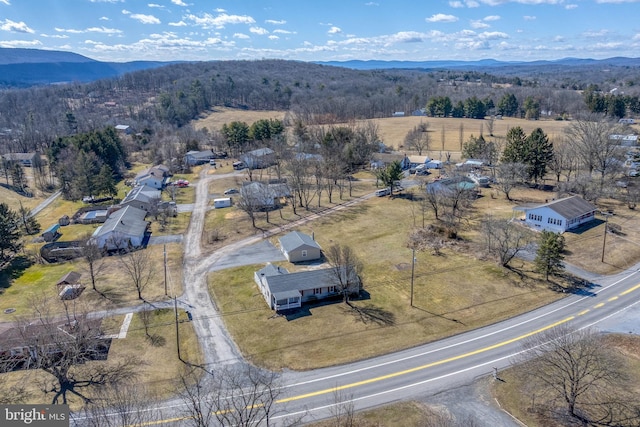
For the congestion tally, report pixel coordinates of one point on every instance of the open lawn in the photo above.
(453, 293)
(232, 224)
(115, 288)
(157, 361)
(511, 391)
(412, 414)
(221, 115)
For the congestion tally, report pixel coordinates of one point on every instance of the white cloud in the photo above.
(571, 6)
(334, 30)
(15, 27)
(492, 35)
(491, 18)
(529, 18)
(107, 1)
(258, 30)
(479, 25)
(241, 36)
(104, 18)
(102, 30)
(559, 39)
(179, 3)
(178, 24)
(144, 19)
(5, 2)
(55, 36)
(617, 1)
(456, 4)
(280, 31)
(372, 3)
(595, 34)
(273, 37)
(532, 2)
(20, 43)
(441, 17)
(155, 5)
(208, 21)
(274, 22)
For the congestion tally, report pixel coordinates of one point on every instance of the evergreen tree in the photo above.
(539, 154)
(508, 105)
(390, 175)
(9, 231)
(29, 223)
(515, 150)
(105, 184)
(549, 256)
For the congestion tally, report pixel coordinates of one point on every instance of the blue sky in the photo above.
(321, 30)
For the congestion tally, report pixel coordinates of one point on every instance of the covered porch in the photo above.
(286, 300)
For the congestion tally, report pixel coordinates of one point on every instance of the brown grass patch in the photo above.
(222, 115)
(412, 414)
(453, 293)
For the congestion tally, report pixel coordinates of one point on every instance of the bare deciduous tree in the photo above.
(573, 370)
(119, 405)
(418, 138)
(425, 238)
(503, 239)
(230, 396)
(509, 176)
(59, 345)
(345, 269)
(139, 268)
(92, 255)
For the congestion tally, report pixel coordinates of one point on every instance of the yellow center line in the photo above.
(628, 291)
(612, 299)
(420, 368)
(583, 312)
(598, 305)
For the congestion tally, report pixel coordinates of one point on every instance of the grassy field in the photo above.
(454, 292)
(116, 288)
(445, 133)
(157, 361)
(509, 392)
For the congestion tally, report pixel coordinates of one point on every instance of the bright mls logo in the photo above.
(34, 415)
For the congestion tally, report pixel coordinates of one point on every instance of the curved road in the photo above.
(420, 371)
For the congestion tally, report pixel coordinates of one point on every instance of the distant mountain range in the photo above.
(483, 63)
(29, 67)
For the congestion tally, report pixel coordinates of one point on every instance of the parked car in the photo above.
(212, 162)
(383, 192)
(230, 191)
(181, 183)
(238, 165)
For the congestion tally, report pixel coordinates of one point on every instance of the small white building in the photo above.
(558, 215)
(224, 202)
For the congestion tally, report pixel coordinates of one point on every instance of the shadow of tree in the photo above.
(12, 270)
(372, 314)
(112, 294)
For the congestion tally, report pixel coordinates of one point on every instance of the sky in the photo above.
(325, 30)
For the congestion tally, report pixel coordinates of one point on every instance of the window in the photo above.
(304, 254)
(332, 289)
(317, 291)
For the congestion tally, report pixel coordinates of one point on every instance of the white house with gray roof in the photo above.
(124, 229)
(142, 197)
(283, 290)
(558, 215)
(300, 247)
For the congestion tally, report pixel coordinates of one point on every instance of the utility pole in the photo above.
(175, 306)
(413, 269)
(604, 240)
(165, 270)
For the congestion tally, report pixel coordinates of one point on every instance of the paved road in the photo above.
(418, 372)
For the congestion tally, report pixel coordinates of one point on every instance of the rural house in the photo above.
(154, 177)
(558, 215)
(124, 229)
(193, 158)
(142, 197)
(25, 159)
(283, 290)
(300, 247)
(259, 159)
(265, 195)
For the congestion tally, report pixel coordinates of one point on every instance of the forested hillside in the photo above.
(159, 103)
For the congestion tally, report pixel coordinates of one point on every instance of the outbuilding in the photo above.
(224, 202)
(300, 247)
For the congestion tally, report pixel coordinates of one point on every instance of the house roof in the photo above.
(260, 152)
(450, 184)
(295, 239)
(301, 280)
(206, 154)
(71, 278)
(128, 220)
(569, 207)
(419, 159)
(142, 193)
(19, 156)
(155, 171)
(265, 193)
(271, 270)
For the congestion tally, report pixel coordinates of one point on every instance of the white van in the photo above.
(383, 192)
